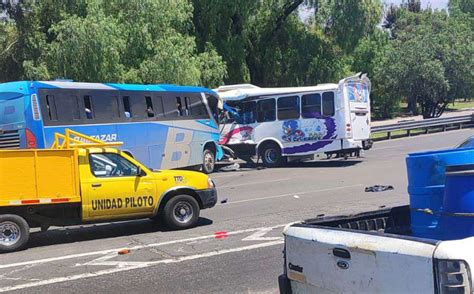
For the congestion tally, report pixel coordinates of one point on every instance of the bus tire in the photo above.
(271, 155)
(208, 161)
(181, 212)
(14, 233)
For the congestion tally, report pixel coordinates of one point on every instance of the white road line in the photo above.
(139, 266)
(289, 194)
(108, 251)
(254, 183)
(391, 147)
(228, 174)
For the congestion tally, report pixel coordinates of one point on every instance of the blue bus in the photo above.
(163, 126)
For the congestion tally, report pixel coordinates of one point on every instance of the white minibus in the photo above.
(296, 123)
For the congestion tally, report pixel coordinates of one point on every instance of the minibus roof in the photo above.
(239, 92)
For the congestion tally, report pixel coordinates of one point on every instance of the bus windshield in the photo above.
(11, 108)
(240, 112)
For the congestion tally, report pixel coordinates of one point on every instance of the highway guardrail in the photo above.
(438, 124)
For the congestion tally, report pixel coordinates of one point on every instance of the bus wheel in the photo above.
(14, 232)
(181, 212)
(271, 155)
(208, 161)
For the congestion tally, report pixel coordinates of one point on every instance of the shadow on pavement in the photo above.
(313, 164)
(67, 235)
(325, 163)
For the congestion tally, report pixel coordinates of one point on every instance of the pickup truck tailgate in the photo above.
(342, 261)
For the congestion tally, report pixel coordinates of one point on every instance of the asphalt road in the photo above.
(237, 246)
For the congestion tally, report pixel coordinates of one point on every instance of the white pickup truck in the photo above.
(372, 252)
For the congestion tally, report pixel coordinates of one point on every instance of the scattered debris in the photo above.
(123, 251)
(232, 167)
(223, 201)
(378, 188)
(296, 196)
(221, 235)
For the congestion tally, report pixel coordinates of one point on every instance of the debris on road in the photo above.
(221, 235)
(378, 188)
(123, 251)
(224, 201)
(232, 167)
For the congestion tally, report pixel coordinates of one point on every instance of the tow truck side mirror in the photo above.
(140, 172)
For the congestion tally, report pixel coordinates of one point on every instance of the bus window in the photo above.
(51, 106)
(158, 106)
(88, 107)
(149, 107)
(213, 103)
(170, 106)
(105, 106)
(248, 112)
(196, 107)
(76, 113)
(67, 107)
(266, 110)
(186, 106)
(126, 107)
(328, 104)
(288, 107)
(311, 105)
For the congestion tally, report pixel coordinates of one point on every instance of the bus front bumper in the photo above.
(208, 197)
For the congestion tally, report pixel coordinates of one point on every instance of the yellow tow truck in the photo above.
(84, 180)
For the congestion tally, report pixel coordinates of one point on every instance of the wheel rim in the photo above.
(10, 233)
(183, 212)
(208, 161)
(270, 155)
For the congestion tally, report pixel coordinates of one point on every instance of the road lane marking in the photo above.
(115, 250)
(390, 147)
(139, 266)
(254, 183)
(259, 236)
(289, 194)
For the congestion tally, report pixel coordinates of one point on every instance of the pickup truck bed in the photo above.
(394, 221)
(371, 252)
(38, 177)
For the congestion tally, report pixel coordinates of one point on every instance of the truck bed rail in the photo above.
(393, 220)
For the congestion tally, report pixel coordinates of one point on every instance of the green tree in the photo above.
(9, 67)
(105, 41)
(225, 24)
(430, 62)
(74, 54)
(368, 57)
(348, 21)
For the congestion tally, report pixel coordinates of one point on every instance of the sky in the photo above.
(435, 4)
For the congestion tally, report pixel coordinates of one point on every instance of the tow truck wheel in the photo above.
(271, 155)
(208, 161)
(181, 212)
(14, 232)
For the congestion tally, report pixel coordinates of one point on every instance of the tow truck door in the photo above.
(113, 188)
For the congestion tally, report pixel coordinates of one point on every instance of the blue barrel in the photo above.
(457, 215)
(426, 178)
